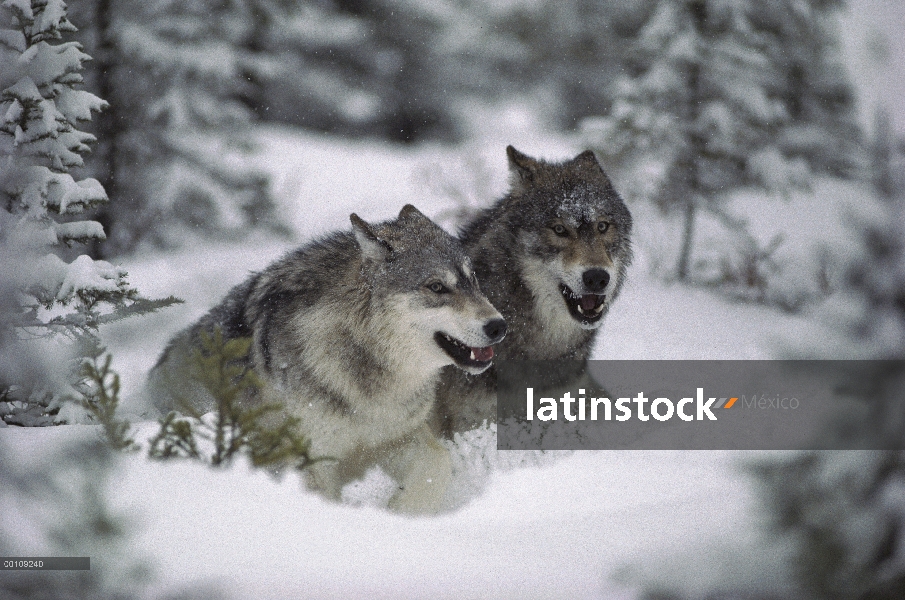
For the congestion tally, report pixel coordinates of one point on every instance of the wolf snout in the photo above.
(595, 280)
(495, 330)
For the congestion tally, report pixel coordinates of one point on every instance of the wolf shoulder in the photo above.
(301, 279)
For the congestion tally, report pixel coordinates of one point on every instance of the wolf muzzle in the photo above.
(495, 330)
(595, 280)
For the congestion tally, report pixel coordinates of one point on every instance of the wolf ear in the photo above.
(587, 160)
(372, 246)
(410, 213)
(522, 168)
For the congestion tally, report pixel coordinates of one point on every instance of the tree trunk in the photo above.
(687, 235)
(108, 121)
(697, 142)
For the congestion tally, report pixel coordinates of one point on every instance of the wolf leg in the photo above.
(463, 403)
(324, 477)
(171, 384)
(423, 469)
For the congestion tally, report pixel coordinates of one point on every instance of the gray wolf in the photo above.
(350, 334)
(551, 256)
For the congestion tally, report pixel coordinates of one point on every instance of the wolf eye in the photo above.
(603, 226)
(437, 288)
(560, 230)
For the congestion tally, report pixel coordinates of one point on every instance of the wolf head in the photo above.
(573, 229)
(432, 305)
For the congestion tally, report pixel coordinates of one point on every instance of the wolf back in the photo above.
(551, 256)
(350, 334)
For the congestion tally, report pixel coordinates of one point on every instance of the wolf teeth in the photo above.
(472, 356)
(596, 311)
(568, 293)
(455, 342)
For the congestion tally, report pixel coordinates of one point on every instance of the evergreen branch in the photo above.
(240, 424)
(175, 439)
(101, 400)
(138, 307)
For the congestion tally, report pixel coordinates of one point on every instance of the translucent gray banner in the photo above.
(700, 405)
(45, 563)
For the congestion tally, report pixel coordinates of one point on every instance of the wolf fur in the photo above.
(350, 334)
(551, 256)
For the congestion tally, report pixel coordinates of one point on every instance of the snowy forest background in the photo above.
(158, 150)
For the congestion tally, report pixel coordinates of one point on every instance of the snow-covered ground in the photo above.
(559, 529)
(581, 525)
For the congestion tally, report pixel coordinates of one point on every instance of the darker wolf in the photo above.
(350, 334)
(551, 256)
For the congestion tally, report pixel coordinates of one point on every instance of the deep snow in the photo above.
(563, 529)
(559, 528)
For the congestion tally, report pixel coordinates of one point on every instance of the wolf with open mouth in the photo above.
(350, 334)
(551, 256)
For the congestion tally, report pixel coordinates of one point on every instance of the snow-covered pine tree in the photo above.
(404, 62)
(809, 78)
(843, 513)
(839, 516)
(401, 69)
(317, 64)
(565, 53)
(173, 147)
(723, 95)
(40, 142)
(322, 65)
(63, 504)
(398, 69)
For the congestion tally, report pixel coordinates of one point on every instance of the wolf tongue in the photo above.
(589, 301)
(482, 354)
